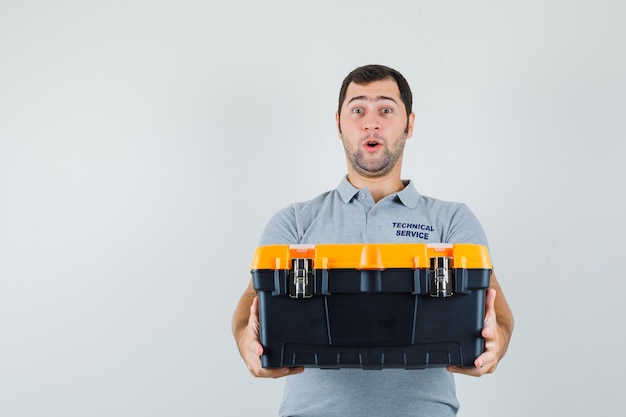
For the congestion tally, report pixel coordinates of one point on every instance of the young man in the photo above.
(374, 120)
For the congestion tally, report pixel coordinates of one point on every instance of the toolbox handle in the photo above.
(371, 258)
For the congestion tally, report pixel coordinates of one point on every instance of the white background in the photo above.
(144, 144)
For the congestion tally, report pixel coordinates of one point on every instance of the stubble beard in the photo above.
(378, 167)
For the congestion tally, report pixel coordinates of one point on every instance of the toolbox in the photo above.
(371, 306)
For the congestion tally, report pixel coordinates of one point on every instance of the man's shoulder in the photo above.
(430, 201)
(313, 203)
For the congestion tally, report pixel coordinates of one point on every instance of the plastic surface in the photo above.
(370, 306)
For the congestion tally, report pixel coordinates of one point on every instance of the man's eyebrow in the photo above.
(377, 98)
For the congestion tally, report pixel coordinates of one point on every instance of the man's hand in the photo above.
(251, 349)
(496, 342)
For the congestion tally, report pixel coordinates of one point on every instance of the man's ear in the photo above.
(410, 125)
(338, 123)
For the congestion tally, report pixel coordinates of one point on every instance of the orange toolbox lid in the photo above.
(372, 256)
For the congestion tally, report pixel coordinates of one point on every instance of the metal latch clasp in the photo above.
(441, 277)
(301, 282)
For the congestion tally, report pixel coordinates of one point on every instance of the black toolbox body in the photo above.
(371, 306)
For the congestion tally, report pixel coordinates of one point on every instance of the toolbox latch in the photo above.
(441, 277)
(301, 282)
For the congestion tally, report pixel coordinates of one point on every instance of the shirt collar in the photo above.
(407, 196)
(346, 190)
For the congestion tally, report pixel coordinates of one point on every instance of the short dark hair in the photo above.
(370, 73)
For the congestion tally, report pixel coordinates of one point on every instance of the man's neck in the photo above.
(378, 187)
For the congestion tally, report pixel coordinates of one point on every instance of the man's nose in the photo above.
(371, 123)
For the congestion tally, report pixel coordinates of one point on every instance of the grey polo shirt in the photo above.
(349, 215)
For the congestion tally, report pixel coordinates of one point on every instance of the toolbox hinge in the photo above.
(441, 277)
(301, 282)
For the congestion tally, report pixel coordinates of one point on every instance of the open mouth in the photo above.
(371, 144)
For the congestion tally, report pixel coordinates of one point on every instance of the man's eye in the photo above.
(387, 110)
(357, 110)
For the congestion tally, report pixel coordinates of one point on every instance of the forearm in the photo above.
(242, 311)
(504, 315)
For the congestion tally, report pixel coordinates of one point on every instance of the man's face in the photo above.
(373, 127)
